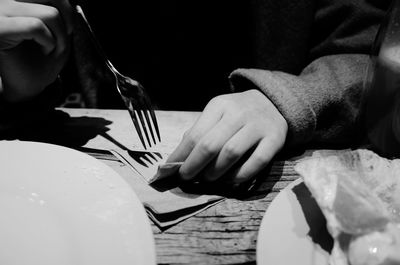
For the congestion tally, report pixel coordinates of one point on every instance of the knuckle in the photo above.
(190, 139)
(252, 92)
(207, 147)
(221, 100)
(231, 152)
(215, 100)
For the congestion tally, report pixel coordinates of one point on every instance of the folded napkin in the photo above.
(165, 203)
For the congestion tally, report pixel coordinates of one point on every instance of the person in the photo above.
(34, 45)
(303, 85)
(238, 134)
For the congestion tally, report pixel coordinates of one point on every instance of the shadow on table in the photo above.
(144, 158)
(58, 128)
(314, 217)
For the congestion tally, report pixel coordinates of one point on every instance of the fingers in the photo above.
(238, 145)
(208, 147)
(13, 30)
(50, 17)
(63, 6)
(236, 136)
(258, 160)
(210, 116)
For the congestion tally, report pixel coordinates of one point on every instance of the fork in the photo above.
(144, 158)
(132, 93)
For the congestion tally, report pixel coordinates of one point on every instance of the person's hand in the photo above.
(34, 45)
(241, 132)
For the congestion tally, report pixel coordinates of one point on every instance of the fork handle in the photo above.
(83, 20)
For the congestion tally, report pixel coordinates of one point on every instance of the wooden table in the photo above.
(223, 234)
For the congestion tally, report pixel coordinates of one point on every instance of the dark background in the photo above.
(181, 51)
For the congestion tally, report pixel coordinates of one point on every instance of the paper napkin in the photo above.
(165, 203)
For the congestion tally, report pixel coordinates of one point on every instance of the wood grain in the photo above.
(223, 234)
(226, 233)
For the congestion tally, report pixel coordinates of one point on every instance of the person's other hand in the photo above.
(244, 128)
(34, 45)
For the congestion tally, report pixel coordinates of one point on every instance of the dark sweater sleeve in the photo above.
(322, 103)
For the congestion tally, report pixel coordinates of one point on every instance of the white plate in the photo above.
(60, 206)
(284, 236)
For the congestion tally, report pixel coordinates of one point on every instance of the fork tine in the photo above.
(155, 124)
(138, 106)
(134, 119)
(146, 115)
(151, 157)
(139, 113)
(153, 116)
(148, 159)
(144, 101)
